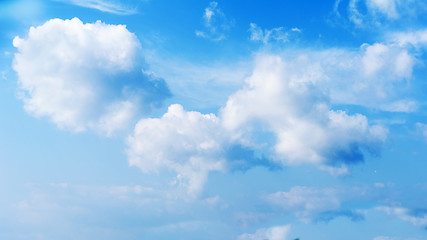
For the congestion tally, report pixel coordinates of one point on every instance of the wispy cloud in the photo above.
(279, 34)
(110, 6)
(417, 217)
(216, 24)
(375, 13)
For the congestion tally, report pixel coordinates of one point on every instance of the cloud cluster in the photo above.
(84, 76)
(215, 22)
(272, 233)
(290, 96)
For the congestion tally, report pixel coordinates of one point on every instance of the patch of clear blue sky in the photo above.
(32, 150)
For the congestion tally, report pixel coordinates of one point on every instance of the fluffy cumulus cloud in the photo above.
(84, 76)
(216, 24)
(284, 99)
(189, 143)
(272, 233)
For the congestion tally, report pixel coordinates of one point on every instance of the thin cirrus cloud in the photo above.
(215, 22)
(118, 7)
(85, 76)
(311, 204)
(278, 34)
(417, 217)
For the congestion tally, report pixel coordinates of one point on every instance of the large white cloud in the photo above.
(285, 99)
(189, 143)
(83, 76)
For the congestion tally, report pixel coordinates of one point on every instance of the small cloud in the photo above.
(417, 217)
(404, 106)
(278, 34)
(272, 233)
(308, 203)
(216, 24)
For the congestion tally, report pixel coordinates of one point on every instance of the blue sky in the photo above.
(153, 119)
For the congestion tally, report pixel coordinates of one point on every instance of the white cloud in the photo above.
(375, 13)
(306, 202)
(284, 98)
(405, 105)
(83, 76)
(377, 57)
(415, 217)
(415, 38)
(216, 23)
(189, 143)
(386, 7)
(375, 76)
(272, 233)
(278, 34)
(110, 6)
